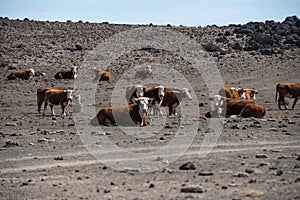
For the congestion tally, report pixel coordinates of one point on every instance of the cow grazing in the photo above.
(157, 93)
(249, 94)
(134, 91)
(232, 93)
(58, 97)
(173, 97)
(70, 73)
(133, 114)
(291, 90)
(21, 74)
(145, 73)
(102, 75)
(41, 95)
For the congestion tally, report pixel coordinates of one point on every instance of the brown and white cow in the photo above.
(41, 95)
(233, 93)
(157, 93)
(134, 91)
(173, 97)
(58, 97)
(39, 73)
(144, 73)
(249, 94)
(133, 114)
(102, 75)
(291, 90)
(228, 107)
(70, 73)
(21, 74)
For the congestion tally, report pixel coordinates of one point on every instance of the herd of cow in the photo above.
(141, 100)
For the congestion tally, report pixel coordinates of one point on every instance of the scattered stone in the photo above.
(297, 180)
(58, 158)
(11, 124)
(16, 134)
(224, 187)
(106, 191)
(10, 144)
(297, 166)
(252, 181)
(151, 185)
(168, 126)
(291, 122)
(187, 166)
(205, 173)
(249, 170)
(236, 126)
(241, 175)
(273, 129)
(279, 172)
(261, 156)
(25, 184)
(298, 158)
(192, 189)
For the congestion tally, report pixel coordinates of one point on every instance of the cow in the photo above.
(235, 107)
(144, 73)
(134, 91)
(133, 114)
(70, 73)
(39, 73)
(102, 75)
(232, 93)
(41, 95)
(291, 90)
(173, 97)
(249, 94)
(157, 93)
(253, 110)
(56, 97)
(21, 74)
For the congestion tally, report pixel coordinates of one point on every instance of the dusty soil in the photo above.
(43, 157)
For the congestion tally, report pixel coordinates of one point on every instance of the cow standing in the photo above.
(58, 97)
(291, 90)
(41, 95)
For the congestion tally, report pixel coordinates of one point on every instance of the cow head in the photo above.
(74, 71)
(249, 94)
(161, 92)
(69, 95)
(139, 90)
(217, 100)
(31, 72)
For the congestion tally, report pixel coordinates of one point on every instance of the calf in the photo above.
(232, 93)
(21, 74)
(56, 97)
(134, 91)
(41, 95)
(70, 73)
(144, 73)
(102, 75)
(136, 111)
(173, 97)
(291, 90)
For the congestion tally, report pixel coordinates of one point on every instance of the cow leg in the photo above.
(295, 101)
(45, 107)
(52, 110)
(281, 100)
(39, 106)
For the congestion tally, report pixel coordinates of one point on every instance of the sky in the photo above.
(162, 12)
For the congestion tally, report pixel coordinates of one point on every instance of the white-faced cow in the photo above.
(134, 91)
(157, 93)
(291, 90)
(232, 93)
(173, 97)
(41, 95)
(249, 94)
(133, 114)
(102, 75)
(70, 73)
(58, 97)
(21, 74)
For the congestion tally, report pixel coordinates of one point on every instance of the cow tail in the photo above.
(276, 93)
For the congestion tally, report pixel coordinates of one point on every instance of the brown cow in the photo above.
(21, 74)
(125, 115)
(102, 75)
(173, 97)
(41, 95)
(249, 94)
(232, 93)
(253, 110)
(56, 97)
(70, 73)
(291, 90)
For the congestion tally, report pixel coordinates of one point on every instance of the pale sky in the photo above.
(175, 12)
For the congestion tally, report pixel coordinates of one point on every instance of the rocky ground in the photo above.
(45, 157)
